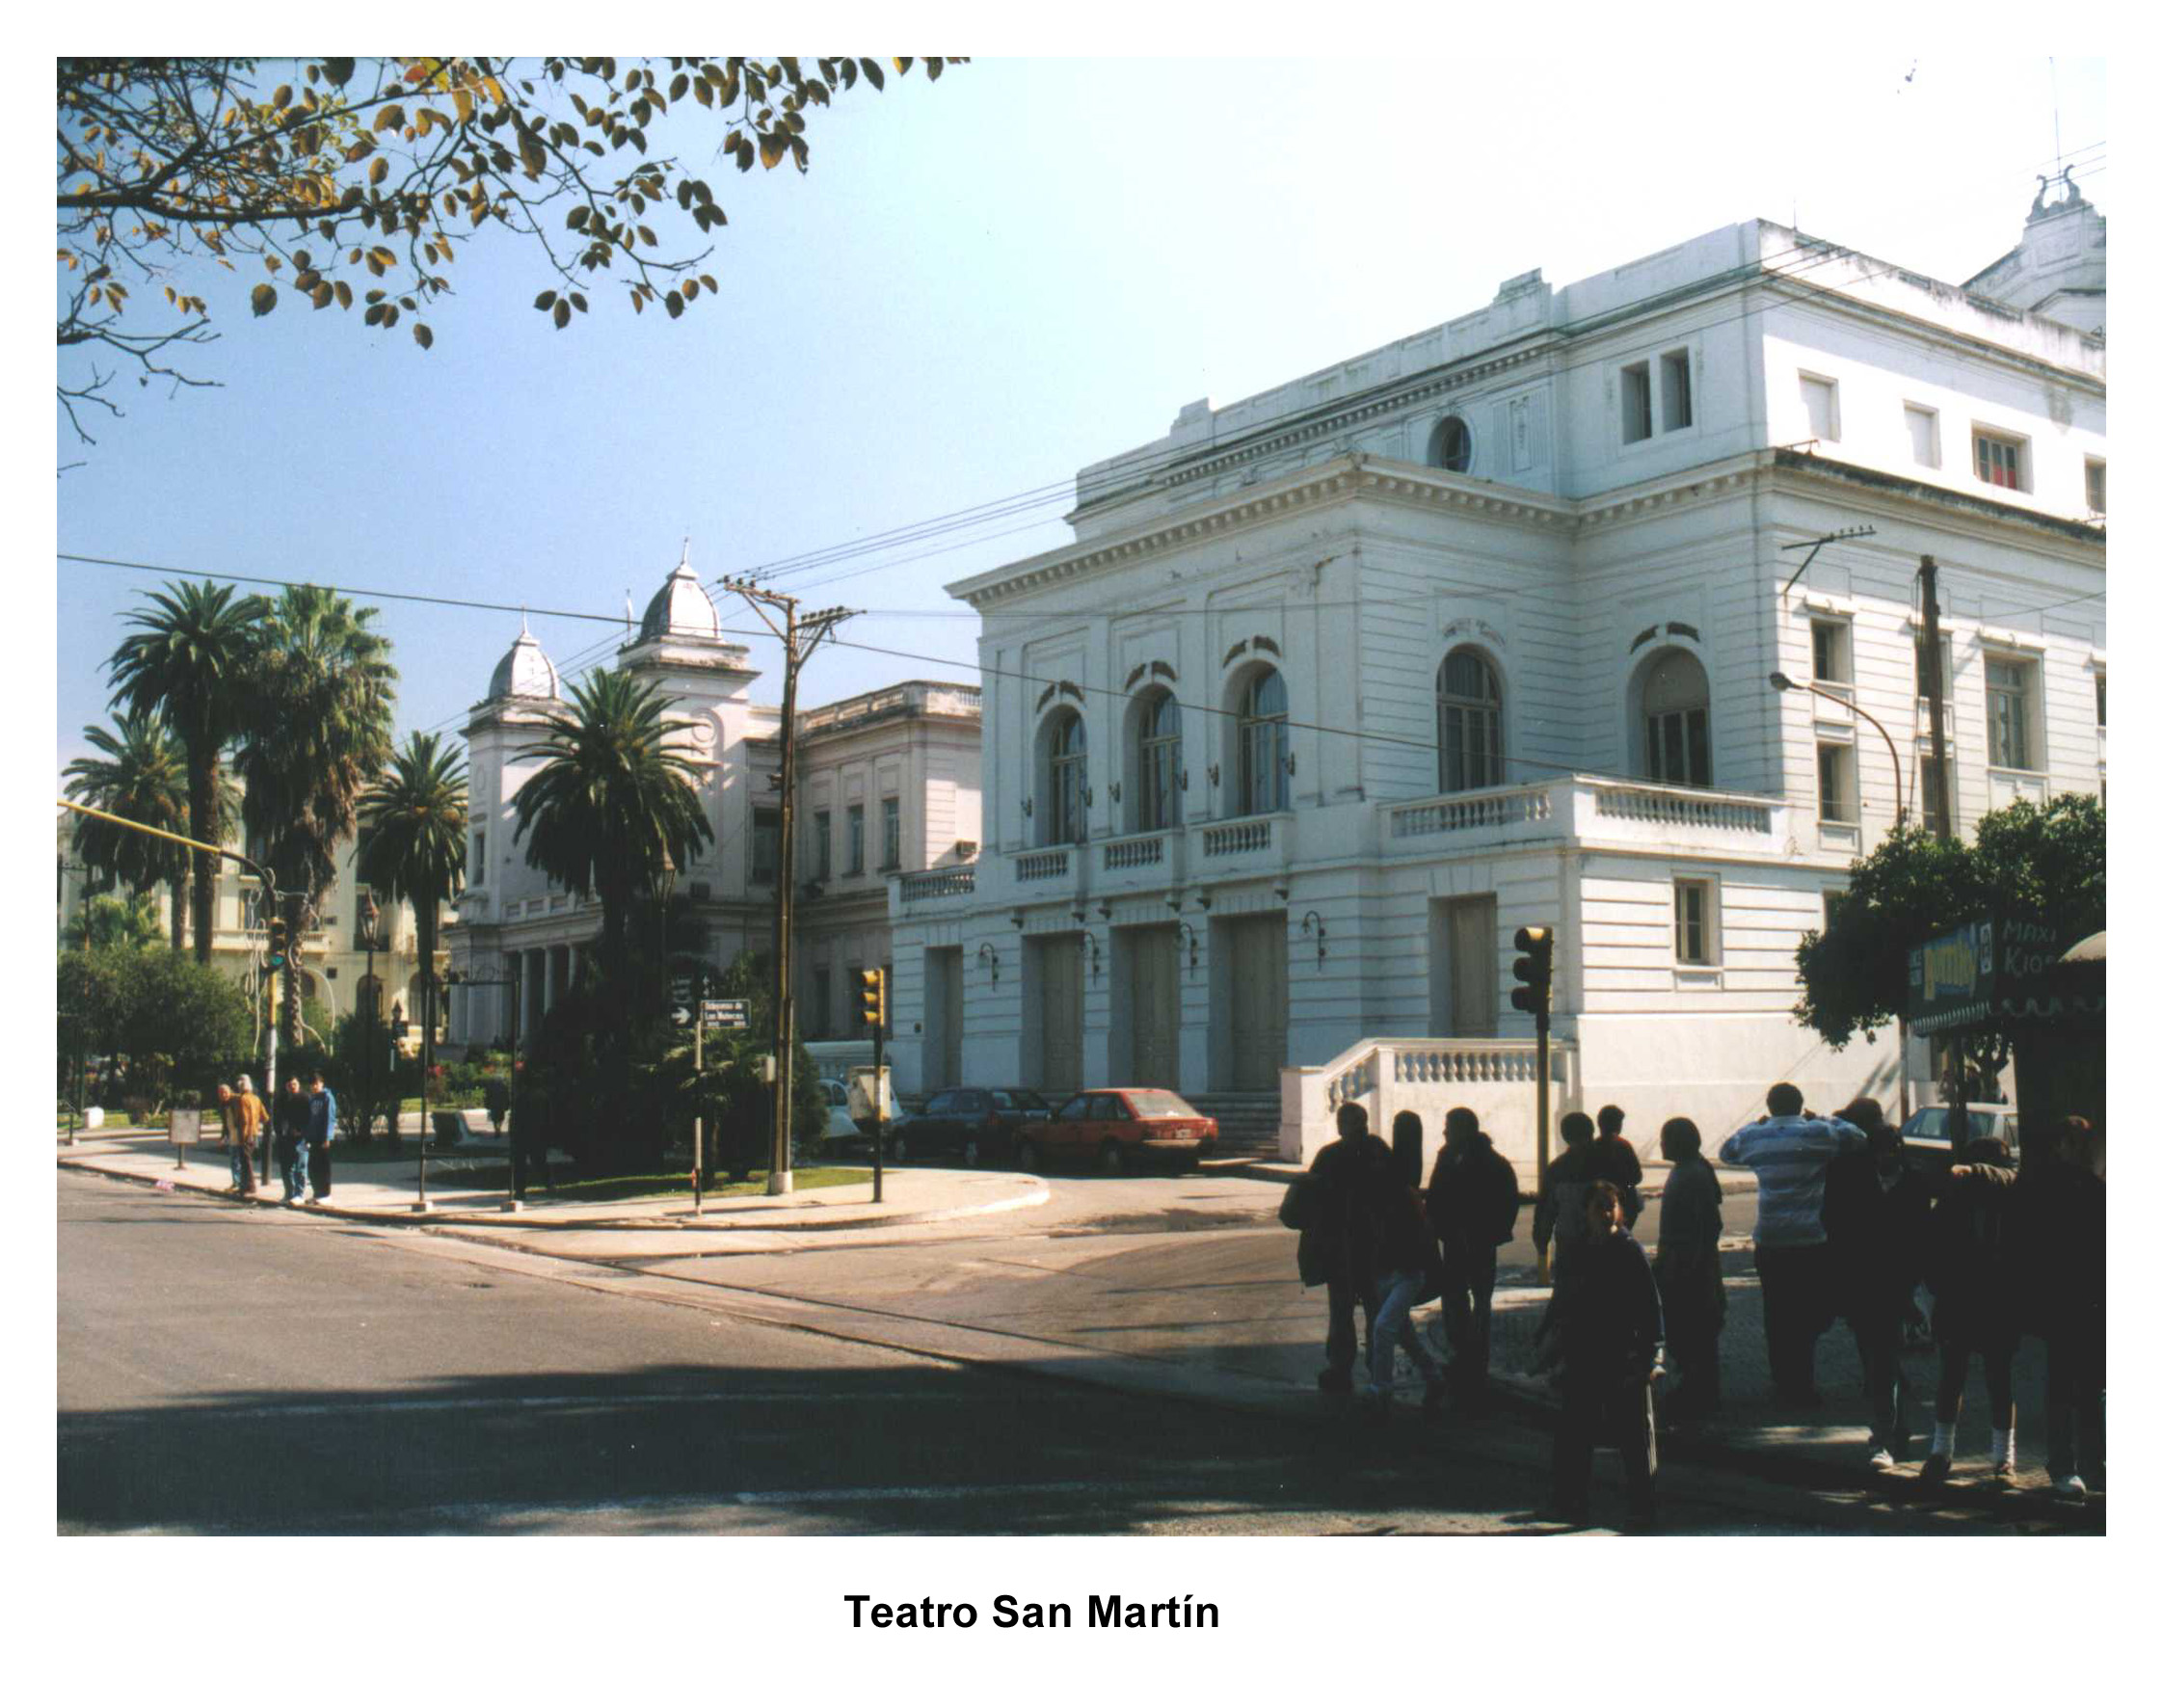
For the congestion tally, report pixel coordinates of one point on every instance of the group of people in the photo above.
(304, 1126)
(1846, 1228)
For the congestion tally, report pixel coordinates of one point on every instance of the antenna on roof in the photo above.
(2057, 141)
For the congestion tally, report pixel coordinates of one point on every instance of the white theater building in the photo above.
(1337, 686)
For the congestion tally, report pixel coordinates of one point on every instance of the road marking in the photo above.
(545, 1401)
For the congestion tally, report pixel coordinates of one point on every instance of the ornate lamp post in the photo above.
(371, 923)
(518, 1161)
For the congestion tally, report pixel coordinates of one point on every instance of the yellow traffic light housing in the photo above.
(872, 998)
(278, 943)
(1535, 971)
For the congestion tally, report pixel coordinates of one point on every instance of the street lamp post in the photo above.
(518, 1166)
(371, 920)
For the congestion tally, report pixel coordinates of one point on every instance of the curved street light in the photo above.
(1786, 684)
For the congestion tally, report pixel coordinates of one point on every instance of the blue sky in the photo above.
(980, 286)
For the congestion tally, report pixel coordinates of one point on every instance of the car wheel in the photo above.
(1024, 1156)
(972, 1153)
(1111, 1157)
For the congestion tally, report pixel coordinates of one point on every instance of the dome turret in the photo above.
(681, 607)
(526, 672)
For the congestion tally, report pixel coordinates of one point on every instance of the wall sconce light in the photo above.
(1016, 917)
(1089, 796)
(1081, 916)
(1028, 806)
(1194, 943)
(1213, 775)
(1172, 901)
(1284, 892)
(1183, 780)
(988, 956)
(1202, 901)
(1114, 788)
(1104, 910)
(1312, 926)
(1291, 764)
(1089, 942)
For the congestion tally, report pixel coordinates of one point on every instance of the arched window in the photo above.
(1675, 705)
(1156, 774)
(1262, 710)
(1450, 445)
(1468, 718)
(1066, 809)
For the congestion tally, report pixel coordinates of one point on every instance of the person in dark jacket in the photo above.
(1973, 1267)
(1472, 1206)
(1691, 1293)
(289, 1129)
(1322, 1252)
(1616, 1158)
(1387, 1242)
(1407, 1144)
(1609, 1326)
(1876, 1218)
(2061, 1204)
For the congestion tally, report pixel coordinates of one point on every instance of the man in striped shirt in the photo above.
(1790, 1153)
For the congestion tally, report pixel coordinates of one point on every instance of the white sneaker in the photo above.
(2069, 1488)
(2001, 1473)
(1881, 1460)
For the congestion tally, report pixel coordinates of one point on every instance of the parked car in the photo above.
(977, 1123)
(1117, 1128)
(837, 1122)
(1927, 1137)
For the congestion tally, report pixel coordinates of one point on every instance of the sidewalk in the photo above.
(385, 1192)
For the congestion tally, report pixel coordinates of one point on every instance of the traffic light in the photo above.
(277, 942)
(1535, 969)
(872, 997)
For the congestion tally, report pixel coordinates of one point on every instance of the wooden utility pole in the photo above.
(1934, 663)
(798, 637)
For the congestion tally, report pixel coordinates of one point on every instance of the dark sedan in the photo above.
(977, 1123)
(1118, 1128)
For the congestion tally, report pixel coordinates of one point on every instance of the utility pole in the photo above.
(798, 636)
(1940, 799)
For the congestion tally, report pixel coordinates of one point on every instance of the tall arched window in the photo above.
(1262, 786)
(1067, 817)
(1450, 445)
(1675, 703)
(1468, 716)
(1157, 776)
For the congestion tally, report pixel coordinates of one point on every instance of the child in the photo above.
(1608, 1328)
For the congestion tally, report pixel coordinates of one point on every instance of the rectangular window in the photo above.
(1836, 784)
(2000, 460)
(2009, 690)
(822, 845)
(1830, 653)
(1831, 901)
(1922, 665)
(890, 833)
(1674, 390)
(765, 843)
(1925, 810)
(1821, 403)
(2095, 486)
(1694, 925)
(1922, 434)
(1637, 403)
(2100, 721)
(855, 841)
(480, 857)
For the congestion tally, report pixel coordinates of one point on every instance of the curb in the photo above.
(681, 1220)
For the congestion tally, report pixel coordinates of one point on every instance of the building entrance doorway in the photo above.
(1259, 1006)
(1152, 956)
(1058, 1012)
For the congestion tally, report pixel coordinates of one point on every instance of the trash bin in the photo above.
(450, 1127)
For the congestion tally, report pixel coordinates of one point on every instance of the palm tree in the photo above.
(318, 729)
(413, 847)
(614, 807)
(144, 777)
(188, 657)
(109, 922)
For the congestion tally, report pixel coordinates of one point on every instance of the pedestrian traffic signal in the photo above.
(872, 997)
(1535, 969)
(277, 943)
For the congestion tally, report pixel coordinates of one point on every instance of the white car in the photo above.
(837, 1122)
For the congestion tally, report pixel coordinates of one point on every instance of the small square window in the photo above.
(1637, 403)
(1674, 390)
(1922, 434)
(1831, 660)
(1821, 405)
(1836, 784)
(1693, 922)
(2096, 494)
(2001, 460)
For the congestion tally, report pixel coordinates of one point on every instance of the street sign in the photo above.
(726, 1013)
(680, 988)
(680, 1015)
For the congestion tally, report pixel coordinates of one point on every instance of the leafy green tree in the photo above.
(144, 777)
(332, 171)
(613, 807)
(317, 730)
(115, 922)
(95, 997)
(2026, 861)
(415, 847)
(181, 1025)
(188, 658)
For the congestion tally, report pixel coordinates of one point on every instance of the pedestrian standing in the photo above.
(1315, 1206)
(1609, 1326)
(1558, 1218)
(229, 1126)
(1693, 1296)
(1876, 1220)
(1790, 1151)
(1614, 1157)
(289, 1122)
(248, 1128)
(1975, 1275)
(1472, 1206)
(2062, 1222)
(1388, 1242)
(322, 1133)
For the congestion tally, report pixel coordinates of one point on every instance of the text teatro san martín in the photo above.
(1010, 1612)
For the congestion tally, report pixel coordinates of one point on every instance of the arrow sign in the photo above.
(680, 1015)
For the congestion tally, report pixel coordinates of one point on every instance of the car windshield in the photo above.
(1018, 1098)
(1147, 1104)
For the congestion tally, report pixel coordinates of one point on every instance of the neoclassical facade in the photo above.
(1340, 685)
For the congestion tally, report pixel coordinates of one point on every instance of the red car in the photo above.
(1117, 1128)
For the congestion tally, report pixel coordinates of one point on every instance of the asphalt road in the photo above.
(223, 1369)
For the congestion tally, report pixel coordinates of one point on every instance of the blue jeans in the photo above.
(1393, 1329)
(243, 1166)
(296, 1172)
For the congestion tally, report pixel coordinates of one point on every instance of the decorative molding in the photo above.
(1686, 630)
(1238, 648)
(1264, 644)
(1650, 635)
